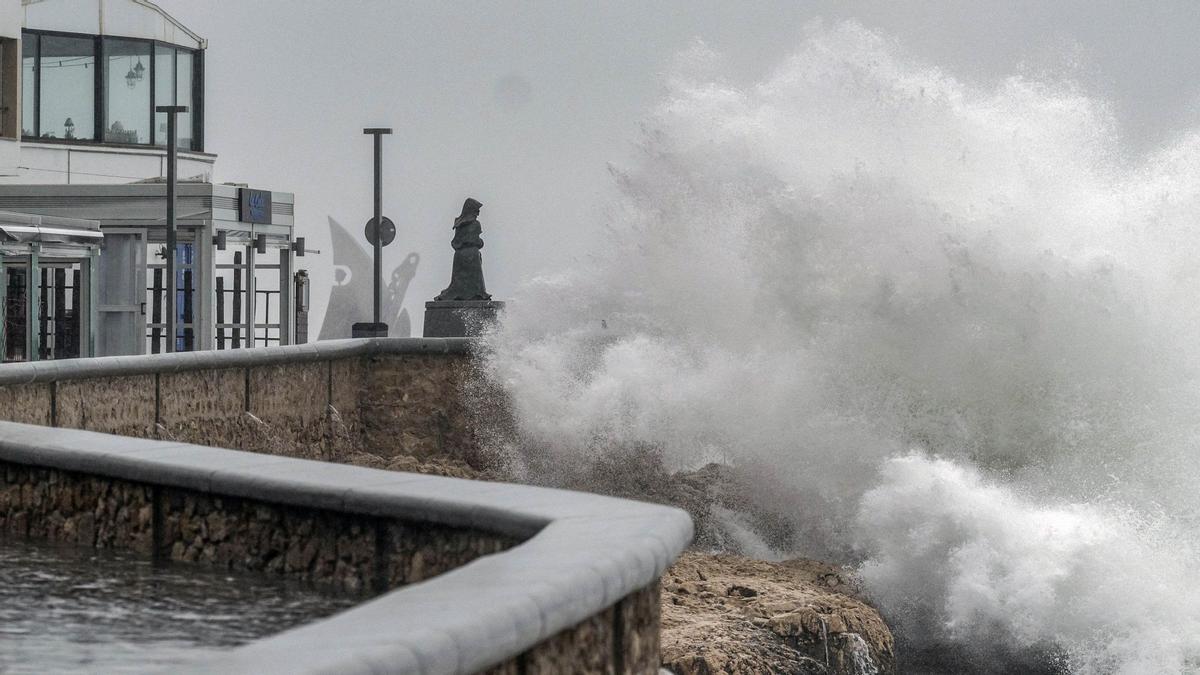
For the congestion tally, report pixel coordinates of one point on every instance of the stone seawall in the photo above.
(399, 400)
(512, 579)
(353, 553)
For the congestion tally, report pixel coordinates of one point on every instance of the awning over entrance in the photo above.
(25, 228)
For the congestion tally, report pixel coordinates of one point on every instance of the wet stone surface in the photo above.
(71, 609)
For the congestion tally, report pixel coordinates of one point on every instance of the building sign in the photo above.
(254, 206)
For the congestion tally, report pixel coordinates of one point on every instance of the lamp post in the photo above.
(378, 135)
(172, 181)
(377, 327)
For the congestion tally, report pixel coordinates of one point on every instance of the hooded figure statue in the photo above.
(466, 277)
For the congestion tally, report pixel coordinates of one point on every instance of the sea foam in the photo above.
(959, 324)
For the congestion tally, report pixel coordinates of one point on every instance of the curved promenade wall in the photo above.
(488, 577)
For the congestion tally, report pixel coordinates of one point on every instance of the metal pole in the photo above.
(378, 220)
(172, 232)
(172, 182)
(378, 277)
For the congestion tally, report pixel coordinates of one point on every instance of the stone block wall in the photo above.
(26, 403)
(383, 404)
(413, 406)
(385, 400)
(350, 552)
(113, 405)
(621, 639)
(353, 553)
(84, 510)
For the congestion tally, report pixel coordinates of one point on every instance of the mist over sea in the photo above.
(954, 329)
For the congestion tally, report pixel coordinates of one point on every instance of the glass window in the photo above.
(183, 96)
(164, 89)
(127, 89)
(29, 49)
(68, 88)
(60, 84)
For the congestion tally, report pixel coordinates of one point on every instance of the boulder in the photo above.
(730, 614)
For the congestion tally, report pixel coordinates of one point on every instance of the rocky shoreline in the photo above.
(730, 614)
(724, 613)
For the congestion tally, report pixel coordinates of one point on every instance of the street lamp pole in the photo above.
(172, 230)
(378, 134)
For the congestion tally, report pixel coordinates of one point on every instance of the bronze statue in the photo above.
(466, 277)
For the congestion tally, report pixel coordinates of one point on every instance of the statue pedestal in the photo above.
(366, 329)
(459, 318)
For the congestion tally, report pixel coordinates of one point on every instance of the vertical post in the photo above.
(300, 302)
(33, 302)
(88, 305)
(377, 275)
(189, 318)
(77, 320)
(45, 309)
(156, 317)
(251, 291)
(378, 134)
(58, 344)
(172, 232)
(286, 315)
(236, 319)
(220, 312)
(3, 311)
(204, 273)
(172, 184)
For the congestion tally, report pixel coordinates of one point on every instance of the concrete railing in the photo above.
(150, 364)
(528, 580)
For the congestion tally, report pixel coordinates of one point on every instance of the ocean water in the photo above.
(952, 329)
(66, 609)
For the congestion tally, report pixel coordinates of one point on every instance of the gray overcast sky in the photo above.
(523, 104)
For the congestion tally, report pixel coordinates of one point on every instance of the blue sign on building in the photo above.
(254, 206)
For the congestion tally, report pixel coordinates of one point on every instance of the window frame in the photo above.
(100, 93)
(11, 62)
(37, 94)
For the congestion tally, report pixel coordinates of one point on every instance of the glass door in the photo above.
(121, 289)
(15, 280)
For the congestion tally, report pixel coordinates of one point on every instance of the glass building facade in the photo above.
(104, 89)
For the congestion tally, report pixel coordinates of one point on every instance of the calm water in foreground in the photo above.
(67, 609)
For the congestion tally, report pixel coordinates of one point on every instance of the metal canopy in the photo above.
(145, 205)
(24, 228)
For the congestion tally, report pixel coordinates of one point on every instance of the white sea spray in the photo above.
(957, 322)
